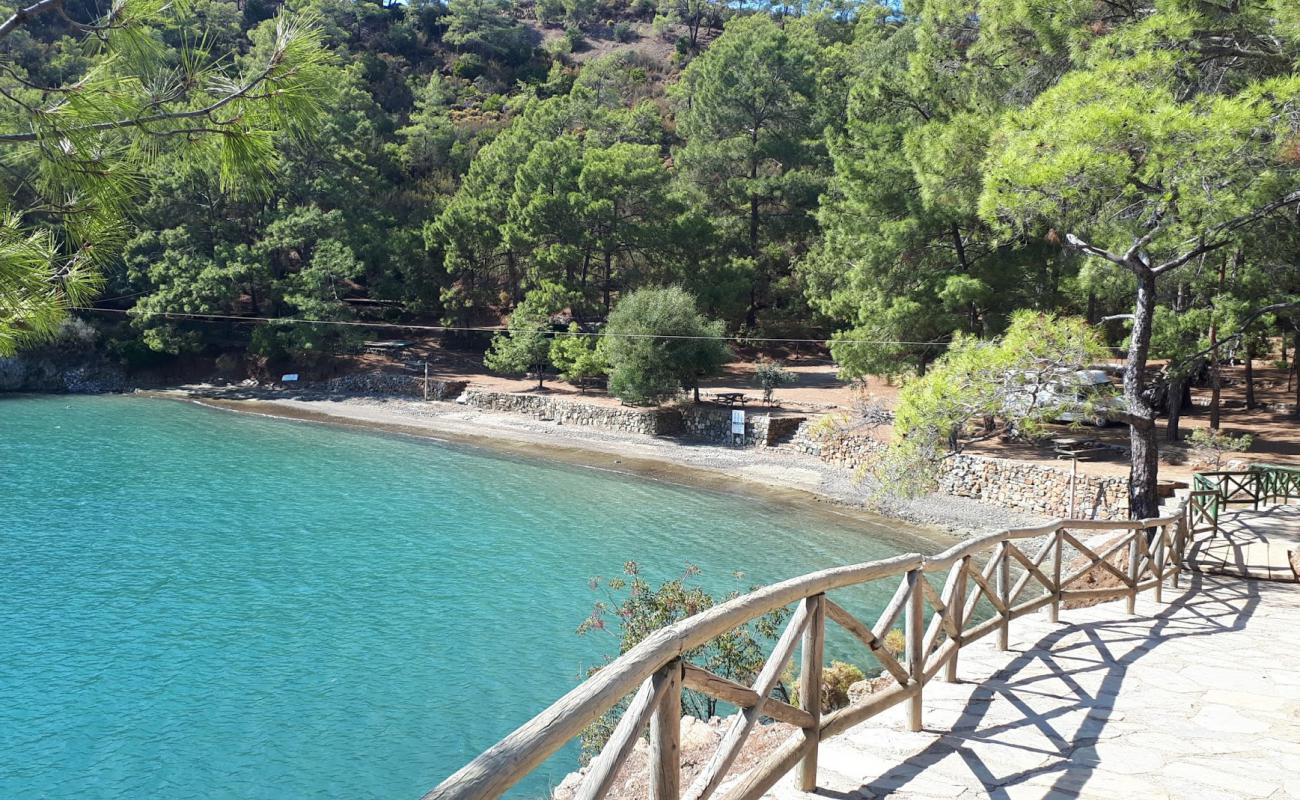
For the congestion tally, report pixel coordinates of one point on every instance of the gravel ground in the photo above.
(779, 471)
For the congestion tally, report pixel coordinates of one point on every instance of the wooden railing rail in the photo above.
(1015, 580)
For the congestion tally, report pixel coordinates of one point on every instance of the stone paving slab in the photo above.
(1196, 698)
(1251, 544)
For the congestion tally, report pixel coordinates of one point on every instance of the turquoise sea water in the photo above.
(201, 603)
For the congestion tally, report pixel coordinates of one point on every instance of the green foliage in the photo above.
(747, 113)
(1026, 377)
(1208, 446)
(657, 343)
(80, 134)
(576, 356)
(768, 375)
(486, 28)
(641, 609)
(549, 12)
(526, 344)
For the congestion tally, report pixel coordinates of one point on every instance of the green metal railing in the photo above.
(1261, 485)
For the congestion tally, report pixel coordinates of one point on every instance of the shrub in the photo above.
(578, 12)
(895, 642)
(836, 680)
(576, 356)
(658, 342)
(623, 32)
(1208, 446)
(468, 66)
(549, 12)
(640, 610)
(574, 37)
(770, 374)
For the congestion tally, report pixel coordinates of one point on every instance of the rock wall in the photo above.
(61, 373)
(713, 424)
(651, 422)
(1034, 488)
(393, 383)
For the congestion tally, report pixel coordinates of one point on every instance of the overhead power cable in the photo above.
(195, 317)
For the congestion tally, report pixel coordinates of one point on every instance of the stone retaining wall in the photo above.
(713, 424)
(393, 383)
(651, 421)
(1034, 488)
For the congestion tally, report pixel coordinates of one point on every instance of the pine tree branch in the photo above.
(168, 116)
(20, 17)
(1218, 235)
(1245, 324)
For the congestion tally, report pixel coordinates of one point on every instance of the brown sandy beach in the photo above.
(785, 477)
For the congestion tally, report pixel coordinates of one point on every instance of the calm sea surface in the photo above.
(200, 603)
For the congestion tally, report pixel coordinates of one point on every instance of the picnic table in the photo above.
(1068, 447)
(386, 346)
(731, 398)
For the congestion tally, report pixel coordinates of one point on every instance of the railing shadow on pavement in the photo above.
(1209, 605)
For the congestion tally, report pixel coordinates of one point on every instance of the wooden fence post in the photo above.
(665, 739)
(810, 686)
(1130, 602)
(914, 635)
(956, 611)
(1004, 593)
(1055, 613)
(1159, 558)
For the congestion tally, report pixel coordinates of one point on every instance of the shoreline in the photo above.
(790, 479)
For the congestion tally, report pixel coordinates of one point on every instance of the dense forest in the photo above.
(889, 178)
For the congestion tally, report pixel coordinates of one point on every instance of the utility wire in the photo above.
(177, 315)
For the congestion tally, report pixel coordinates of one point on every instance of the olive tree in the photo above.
(657, 342)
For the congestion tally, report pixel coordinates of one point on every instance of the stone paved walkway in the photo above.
(1254, 544)
(1198, 698)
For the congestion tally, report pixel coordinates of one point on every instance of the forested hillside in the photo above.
(802, 171)
(887, 178)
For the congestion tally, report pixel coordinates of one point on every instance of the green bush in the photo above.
(468, 66)
(549, 12)
(658, 343)
(576, 356)
(770, 374)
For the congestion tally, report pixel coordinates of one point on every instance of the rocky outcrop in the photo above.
(61, 370)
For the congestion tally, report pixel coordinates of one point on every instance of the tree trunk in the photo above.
(1216, 382)
(609, 261)
(1250, 375)
(751, 314)
(1143, 471)
(1177, 387)
(1295, 362)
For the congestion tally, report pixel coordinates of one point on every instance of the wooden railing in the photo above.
(1006, 575)
(1262, 484)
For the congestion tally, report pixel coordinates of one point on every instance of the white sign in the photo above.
(738, 421)
(292, 376)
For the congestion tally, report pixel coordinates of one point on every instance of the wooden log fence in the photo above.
(1012, 582)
